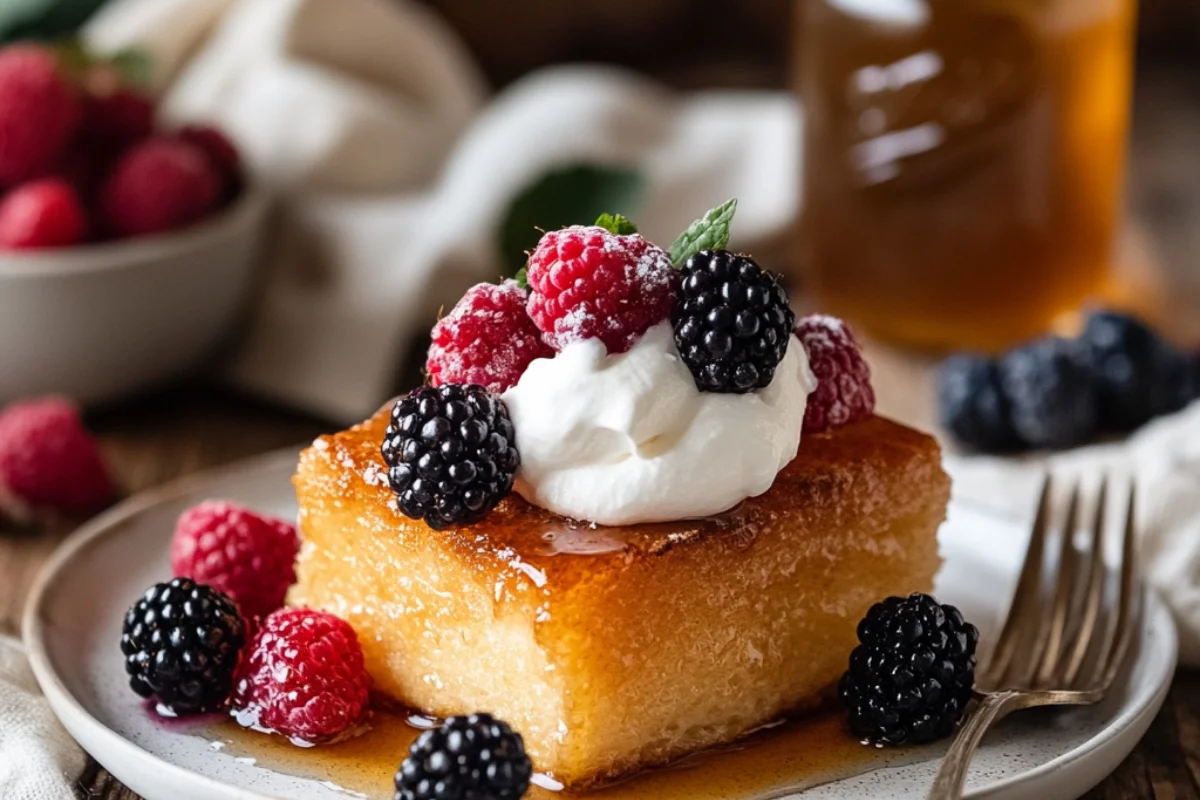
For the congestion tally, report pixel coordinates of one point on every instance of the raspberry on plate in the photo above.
(247, 556)
(39, 112)
(49, 461)
(844, 393)
(159, 184)
(40, 214)
(589, 283)
(465, 758)
(487, 339)
(303, 677)
(1051, 393)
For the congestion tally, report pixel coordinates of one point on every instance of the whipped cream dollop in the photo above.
(628, 438)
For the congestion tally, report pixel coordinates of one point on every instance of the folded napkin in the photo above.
(1164, 458)
(369, 121)
(38, 758)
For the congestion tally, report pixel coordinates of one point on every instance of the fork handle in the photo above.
(952, 777)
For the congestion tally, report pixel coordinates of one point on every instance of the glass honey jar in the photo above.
(963, 162)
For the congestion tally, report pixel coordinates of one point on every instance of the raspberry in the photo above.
(118, 119)
(44, 213)
(912, 676)
(220, 151)
(48, 460)
(247, 556)
(844, 393)
(303, 678)
(451, 454)
(588, 283)
(733, 323)
(466, 758)
(487, 339)
(158, 185)
(181, 643)
(39, 112)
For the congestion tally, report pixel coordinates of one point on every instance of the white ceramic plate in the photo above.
(74, 618)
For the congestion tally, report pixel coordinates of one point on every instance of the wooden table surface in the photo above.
(158, 438)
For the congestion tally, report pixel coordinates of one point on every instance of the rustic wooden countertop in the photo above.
(155, 439)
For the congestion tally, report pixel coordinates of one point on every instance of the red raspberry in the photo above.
(304, 677)
(249, 557)
(117, 119)
(487, 339)
(48, 461)
(843, 394)
(220, 150)
(588, 283)
(158, 185)
(45, 213)
(39, 112)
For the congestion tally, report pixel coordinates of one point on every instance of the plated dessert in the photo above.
(639, 510)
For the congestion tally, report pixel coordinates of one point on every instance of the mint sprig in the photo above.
(710, 232)
(522, 278)
(615, 223)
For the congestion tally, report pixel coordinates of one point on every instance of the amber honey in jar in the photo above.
(962, 161)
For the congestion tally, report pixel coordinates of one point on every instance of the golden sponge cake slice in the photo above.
(612, 649)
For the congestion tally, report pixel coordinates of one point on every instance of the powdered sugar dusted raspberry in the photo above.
(303, 677)
(588, 283)
(488, 339)
(844, 393)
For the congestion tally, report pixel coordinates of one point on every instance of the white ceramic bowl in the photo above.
(100, 321)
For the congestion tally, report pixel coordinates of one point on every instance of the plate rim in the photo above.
(65, 705)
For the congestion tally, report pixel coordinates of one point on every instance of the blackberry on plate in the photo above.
(466, 758)
(732, 322)
(912, 675)
(972, 405)
(181, 642)
(1050, 392)
(451, 453)
(1137, 375)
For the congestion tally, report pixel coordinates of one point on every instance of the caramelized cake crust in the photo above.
(611, 649)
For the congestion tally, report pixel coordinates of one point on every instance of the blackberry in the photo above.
(1137, 375)
(732, 322)
(1050, 392)
(181, 642)
(972, 405)
(912, 676)
(466, 758)
(451, 454)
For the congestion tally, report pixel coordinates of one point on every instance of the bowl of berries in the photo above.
(127, 249)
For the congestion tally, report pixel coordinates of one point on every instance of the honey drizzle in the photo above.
(771, 763)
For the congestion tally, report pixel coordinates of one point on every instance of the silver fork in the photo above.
(1068, 632)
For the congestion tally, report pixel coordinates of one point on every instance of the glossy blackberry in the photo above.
(181, 642)
(451, 453)
(972, 405)
(912, 674)
(1050, 392)
(732, 322)
(1137, 375)
(466, 758)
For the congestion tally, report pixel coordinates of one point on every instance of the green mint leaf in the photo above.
(615, 223)
(574, 194)
(522, 277)
(135, 67)
(710, 232)
(43, 19)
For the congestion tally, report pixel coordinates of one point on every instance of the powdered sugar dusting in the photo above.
(844, 393)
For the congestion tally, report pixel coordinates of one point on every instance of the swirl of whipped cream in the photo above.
(629, 438)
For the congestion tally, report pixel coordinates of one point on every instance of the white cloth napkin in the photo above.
(369, 120)
(38, 759)
(1164, 458)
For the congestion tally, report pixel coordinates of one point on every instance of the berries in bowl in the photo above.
(126, 249)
